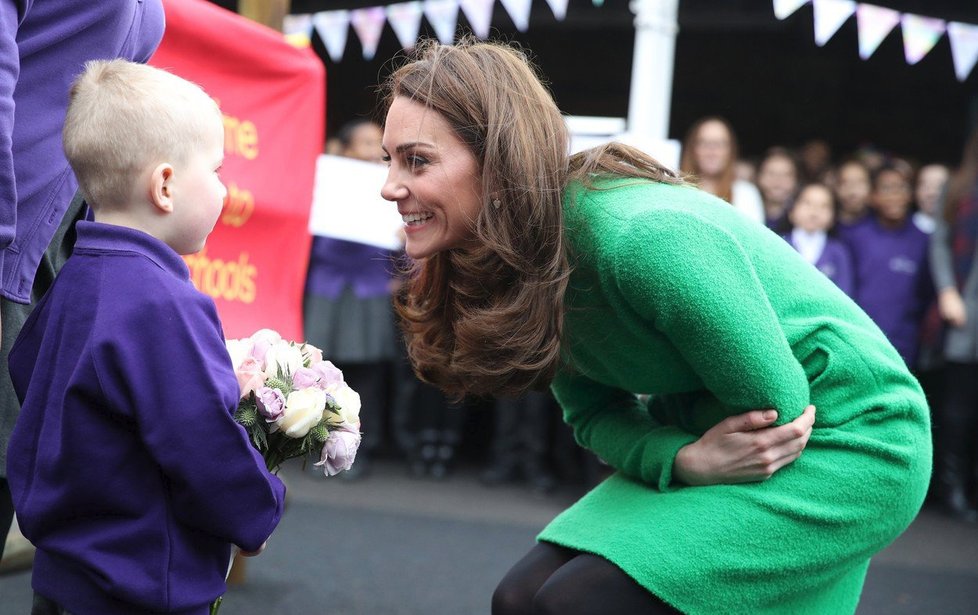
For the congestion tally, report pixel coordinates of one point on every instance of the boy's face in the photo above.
(891, 196)
(199, 192)
(853, 188)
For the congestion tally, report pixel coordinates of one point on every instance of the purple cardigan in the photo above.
(835, 262)
(126, 467)
(44, 44)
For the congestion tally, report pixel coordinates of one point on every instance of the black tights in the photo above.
(551, 580)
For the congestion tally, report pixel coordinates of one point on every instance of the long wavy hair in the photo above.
(487, 318)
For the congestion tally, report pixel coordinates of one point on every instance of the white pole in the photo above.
(649, 99)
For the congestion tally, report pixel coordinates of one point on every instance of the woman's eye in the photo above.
(416, 161)
(385, 158)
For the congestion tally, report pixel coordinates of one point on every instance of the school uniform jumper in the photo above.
(677, 295)
(126, 467)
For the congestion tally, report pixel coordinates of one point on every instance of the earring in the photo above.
(495, 203)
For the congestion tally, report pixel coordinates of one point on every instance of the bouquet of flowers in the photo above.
(294, 403)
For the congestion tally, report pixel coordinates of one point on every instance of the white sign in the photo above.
(346, 203)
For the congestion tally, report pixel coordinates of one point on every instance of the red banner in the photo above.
(272, 96)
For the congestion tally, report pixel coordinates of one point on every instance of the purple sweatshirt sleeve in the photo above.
(9, 72)
(180, 385)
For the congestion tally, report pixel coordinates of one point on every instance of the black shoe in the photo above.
(956, 504)
(500, 472)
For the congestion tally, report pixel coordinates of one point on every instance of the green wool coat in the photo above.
(677, 295)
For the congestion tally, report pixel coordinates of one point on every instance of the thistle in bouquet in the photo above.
(294, 403)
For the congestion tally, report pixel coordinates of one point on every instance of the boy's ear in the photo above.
(161, 187)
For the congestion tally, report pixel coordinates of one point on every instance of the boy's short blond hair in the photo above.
(123, 117)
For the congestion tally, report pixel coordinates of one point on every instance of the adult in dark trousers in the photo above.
(44, 45)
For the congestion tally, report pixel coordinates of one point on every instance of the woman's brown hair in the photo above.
(688, 165)
(487, 318)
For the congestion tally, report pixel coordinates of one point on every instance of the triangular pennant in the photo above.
(920, 34)
(368, 23)
(332, 27)
(784, 8)
(443, 17)
(874, 23)
(479, 15)
(297, 29)
(829, 17)
(405, 20)
(559, 7)
(964, 47)
(519, 12)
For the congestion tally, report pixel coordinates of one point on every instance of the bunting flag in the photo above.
(920, 34)
(964, 47)
(298, 29)
(405, 20)
(332, 27)
(785, 8)
(519, 12)
(479, 15)
(829, 17)
(443, 17)
(874, 24)
(368, 23)
(559, 7)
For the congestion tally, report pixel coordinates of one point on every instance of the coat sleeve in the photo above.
(166, 366)
(693, 282)
(10, 14)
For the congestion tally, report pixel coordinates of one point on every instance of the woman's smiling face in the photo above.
(433, 177)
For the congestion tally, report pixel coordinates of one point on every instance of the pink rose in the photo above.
(339, 450)
(310, 354)
(304, 378)
(250, 376)
(263, 339)
(271, 403)
(328, 374)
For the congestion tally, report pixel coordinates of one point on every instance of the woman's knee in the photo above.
(512, 598)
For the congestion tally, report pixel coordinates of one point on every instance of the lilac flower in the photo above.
(271, 403)
(340, 449)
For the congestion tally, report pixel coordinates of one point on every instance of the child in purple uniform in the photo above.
(889, 252)
(126, 467)
(812, 217)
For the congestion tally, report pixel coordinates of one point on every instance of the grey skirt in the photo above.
(350, 329)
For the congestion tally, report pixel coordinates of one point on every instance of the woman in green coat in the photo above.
(663, 320)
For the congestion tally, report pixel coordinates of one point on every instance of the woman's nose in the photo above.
(393, 189)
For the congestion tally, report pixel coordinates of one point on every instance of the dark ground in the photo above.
(393, 545)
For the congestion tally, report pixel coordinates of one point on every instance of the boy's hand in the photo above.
(254, 553)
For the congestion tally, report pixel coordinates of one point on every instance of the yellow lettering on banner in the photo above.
(228, 280)
(240, 137)
(238, 206)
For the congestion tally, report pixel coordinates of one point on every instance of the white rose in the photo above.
(283, 358)
(349, 402)
(239, 350)
(303, 411)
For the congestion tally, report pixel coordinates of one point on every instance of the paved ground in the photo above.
(392, 545)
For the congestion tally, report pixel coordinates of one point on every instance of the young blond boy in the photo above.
(126, 467)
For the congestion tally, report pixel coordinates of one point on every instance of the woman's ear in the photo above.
(161, 187)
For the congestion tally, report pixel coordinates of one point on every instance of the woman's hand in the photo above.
(952, 308)
(743, 449)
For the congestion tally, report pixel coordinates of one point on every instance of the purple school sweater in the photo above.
(336, 264)
(126, 467)
(892, 279)
(44, 44)
(835, 262)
